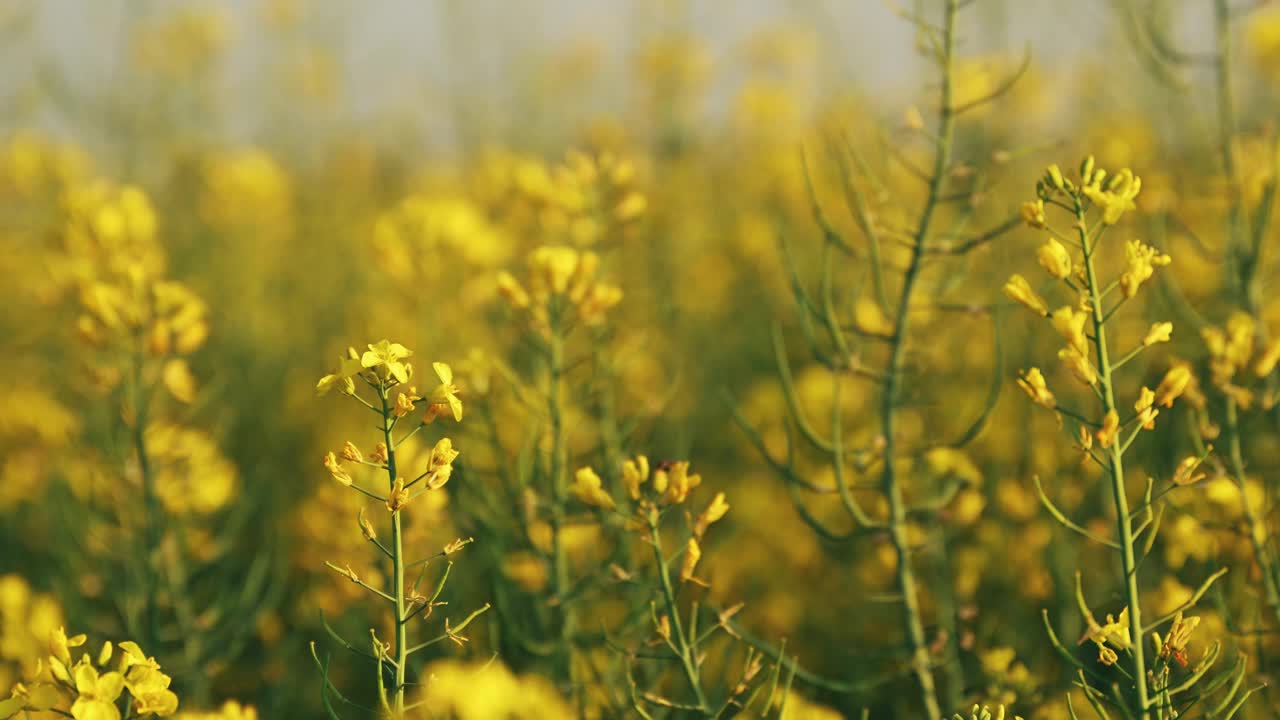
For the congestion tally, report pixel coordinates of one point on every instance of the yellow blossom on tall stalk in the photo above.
(382, 369)
(1106, 435)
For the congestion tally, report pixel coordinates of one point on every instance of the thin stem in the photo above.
(1257, 532)
(682, 646)
(397, 562)
(1124, 520)
(559, 500)
(150, 499)
(906, 580)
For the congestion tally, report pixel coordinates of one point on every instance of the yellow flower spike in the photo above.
(1106, 435)
(1173, 385)
(388, 356)
(1019, 290)
(1032, 213)
(1055, 259)
(1069, 323)
(334, 467)
(715, 510)
(351, 453)
(1160, 332)
(1079, 365)
(692, 554)
(588, 488)
(446, 393)
(1033, 384)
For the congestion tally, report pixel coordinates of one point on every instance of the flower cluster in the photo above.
(562, 286)
(91, 688)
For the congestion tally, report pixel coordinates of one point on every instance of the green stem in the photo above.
(559, 501)
(906, 580)
(1239, 253)
(1124, 521)
(397, 563)
(1256, 530)
(151, 500)
(686, 655)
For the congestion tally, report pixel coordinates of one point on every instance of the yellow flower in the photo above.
(1033, 214)
(179, 381)
(674, 481)
(1070, 325)
(1266, 361)
(60, 645)
(1160, 332)
(440, 464)
(1179, 635)
(398, 497)
(692, 554)
(347, 368)
(1173, 384)
(404, 402)
(1055, 259)
(634, 474)
(554, 268)
(97, 694)
(334, 466)
(1143, 261)
(150, 689)
(1110, 429)
(388, 355)
(1018, 290)
(1186, 474)
(1079, 365)
(715, 510)
(588, 488)
(351, 452)
(1116, 196)
(1114, 632)
(1033, 384)
(446, 393)
(1146, 413)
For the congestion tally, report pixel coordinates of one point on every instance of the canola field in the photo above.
(673, 365)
